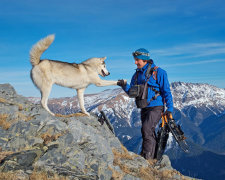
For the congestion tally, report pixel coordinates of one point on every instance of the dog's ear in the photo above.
(103, 58)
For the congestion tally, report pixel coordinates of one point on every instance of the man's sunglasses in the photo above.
(136, 53)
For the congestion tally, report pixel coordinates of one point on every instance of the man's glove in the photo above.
(121, 82)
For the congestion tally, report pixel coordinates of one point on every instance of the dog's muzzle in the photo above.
(104, 74)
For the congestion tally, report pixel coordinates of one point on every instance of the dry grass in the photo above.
(4, 154)
(44, 176)
(20, 175)
(48, 137)
(20, 106)
(36, 175)
(144, 173)
(3, 121)
(21, 116)
(70, 115)
(124, 154)
(8, 176)
(152, 161)
(7, 124)
(2, 100)
(115, 174)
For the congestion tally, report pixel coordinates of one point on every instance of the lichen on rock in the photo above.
(76, 147)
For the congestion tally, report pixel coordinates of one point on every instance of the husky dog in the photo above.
(46, 72)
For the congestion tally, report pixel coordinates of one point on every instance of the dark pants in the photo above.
(150, 118)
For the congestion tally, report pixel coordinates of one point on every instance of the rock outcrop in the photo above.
(34, 144)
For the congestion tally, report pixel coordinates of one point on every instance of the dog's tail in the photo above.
(38, 49)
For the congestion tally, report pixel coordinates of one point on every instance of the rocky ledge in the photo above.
(36, 145)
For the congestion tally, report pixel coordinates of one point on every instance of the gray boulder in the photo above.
(76, 147)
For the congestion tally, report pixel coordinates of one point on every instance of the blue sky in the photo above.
(184, 37)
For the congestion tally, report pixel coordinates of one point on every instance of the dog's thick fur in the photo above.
(46, 72)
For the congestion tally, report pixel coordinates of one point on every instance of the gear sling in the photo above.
(168, 125)
(140, 91)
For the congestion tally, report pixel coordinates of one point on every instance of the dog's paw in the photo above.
(52, 114)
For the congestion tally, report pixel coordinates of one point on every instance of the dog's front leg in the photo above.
(80, 95)
(105, 83)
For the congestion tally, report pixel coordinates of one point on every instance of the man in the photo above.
(158, 93)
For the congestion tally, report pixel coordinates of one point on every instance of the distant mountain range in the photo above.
(199, 109)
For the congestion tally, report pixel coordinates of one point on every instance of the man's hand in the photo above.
(121, 82)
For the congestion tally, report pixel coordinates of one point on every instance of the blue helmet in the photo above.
(141, 54)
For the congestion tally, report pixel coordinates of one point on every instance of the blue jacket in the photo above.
(160, 84)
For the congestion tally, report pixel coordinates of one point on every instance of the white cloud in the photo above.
(8, 74)
(192, 50)
(195, 63)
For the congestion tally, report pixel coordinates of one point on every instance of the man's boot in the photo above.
(146, 155)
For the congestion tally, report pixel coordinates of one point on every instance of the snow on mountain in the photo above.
(115, 102)
(34, 100)
(101, 97)
(197, 95)
(119, 105)
(193, 102)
